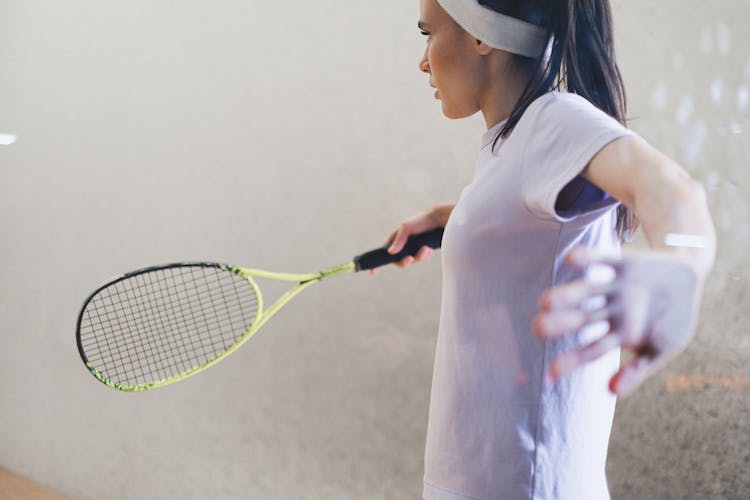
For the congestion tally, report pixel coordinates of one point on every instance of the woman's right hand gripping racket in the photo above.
(162, 324)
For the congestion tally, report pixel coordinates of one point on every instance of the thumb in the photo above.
(630, 376)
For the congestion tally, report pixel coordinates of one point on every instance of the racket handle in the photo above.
(380, 257)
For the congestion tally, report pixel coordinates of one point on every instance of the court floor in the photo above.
(14, 487)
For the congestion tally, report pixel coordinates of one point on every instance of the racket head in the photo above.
(161, 324)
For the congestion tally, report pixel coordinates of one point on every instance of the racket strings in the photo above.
(161, 323)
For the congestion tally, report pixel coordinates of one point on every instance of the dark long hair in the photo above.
(582, 61)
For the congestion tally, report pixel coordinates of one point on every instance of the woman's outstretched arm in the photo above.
(652, 302)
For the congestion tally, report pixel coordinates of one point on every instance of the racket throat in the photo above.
(328, 273)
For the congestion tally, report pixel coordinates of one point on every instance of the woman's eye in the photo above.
(425, 34)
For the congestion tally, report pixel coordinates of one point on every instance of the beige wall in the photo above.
(290, 136)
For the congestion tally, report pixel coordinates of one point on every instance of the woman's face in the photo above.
(452, 61)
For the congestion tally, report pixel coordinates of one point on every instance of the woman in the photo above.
(559, 183)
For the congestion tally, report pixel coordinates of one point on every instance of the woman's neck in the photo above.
(503, 91)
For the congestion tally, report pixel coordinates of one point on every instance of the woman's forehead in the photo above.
(431, 14)
(430, 11)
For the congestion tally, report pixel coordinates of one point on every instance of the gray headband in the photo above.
(497, 30)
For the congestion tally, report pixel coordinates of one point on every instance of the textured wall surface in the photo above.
(291, 136)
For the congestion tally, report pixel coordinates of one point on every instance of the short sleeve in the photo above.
(566, 133)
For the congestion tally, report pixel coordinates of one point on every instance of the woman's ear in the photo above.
(483, 48)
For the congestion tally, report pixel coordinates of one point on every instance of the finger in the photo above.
(566, 363)
(423, 253)
(573, 294)
(389, 239)
(405, 261)
(399, 240)
(629, 377)
(584, 256)
(554, 324)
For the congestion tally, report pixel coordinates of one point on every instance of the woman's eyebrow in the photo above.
(422, 25)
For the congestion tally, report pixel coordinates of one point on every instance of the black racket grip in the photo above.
(381, 257)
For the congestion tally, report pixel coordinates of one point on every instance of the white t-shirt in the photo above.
(496, 429)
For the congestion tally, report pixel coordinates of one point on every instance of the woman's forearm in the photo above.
(670, 204)
(441, 213)
(675, 218)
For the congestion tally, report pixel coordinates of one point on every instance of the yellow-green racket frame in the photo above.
(261, 316)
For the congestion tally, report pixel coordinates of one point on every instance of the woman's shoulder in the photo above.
(566, 112)
(562, 101)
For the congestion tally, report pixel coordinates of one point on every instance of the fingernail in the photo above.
(545, 302)
(572, 257)
(549, 376)
(537, 326)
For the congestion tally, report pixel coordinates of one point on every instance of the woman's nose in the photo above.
(424, 64)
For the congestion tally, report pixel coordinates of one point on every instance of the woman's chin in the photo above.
(455, 114)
